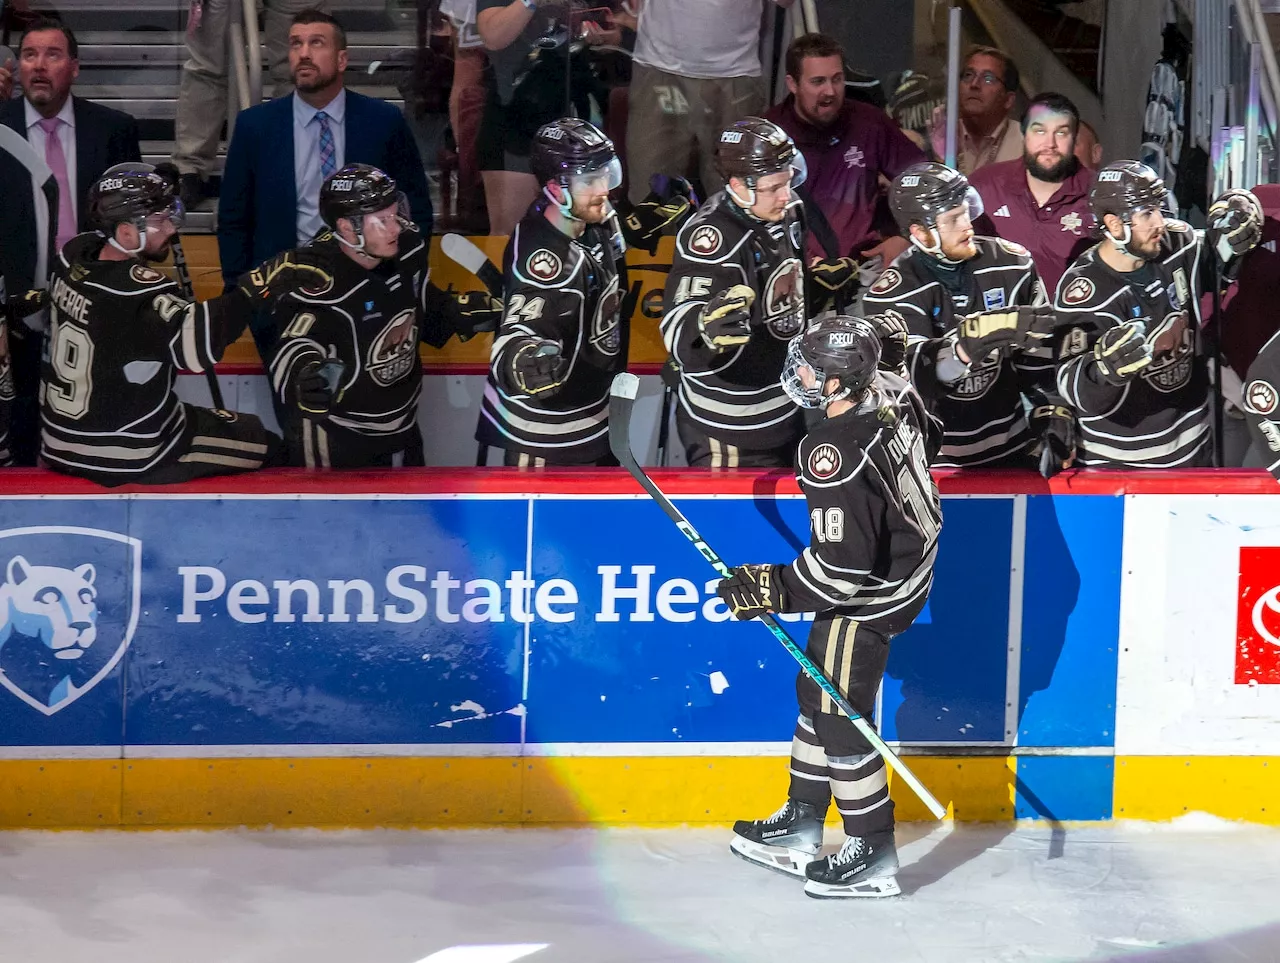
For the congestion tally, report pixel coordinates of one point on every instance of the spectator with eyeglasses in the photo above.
(988, 133)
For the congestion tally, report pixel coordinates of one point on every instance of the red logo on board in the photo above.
(1258, 617)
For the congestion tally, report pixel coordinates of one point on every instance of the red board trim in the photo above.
(603, 481)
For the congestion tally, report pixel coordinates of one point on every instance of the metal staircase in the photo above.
(131, 56)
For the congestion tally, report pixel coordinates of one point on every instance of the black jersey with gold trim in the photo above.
(119, 331)
(983, 412)
(734, 394)
(571, 291)
(1161, 418)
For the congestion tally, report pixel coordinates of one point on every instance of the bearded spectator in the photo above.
(1042, 200)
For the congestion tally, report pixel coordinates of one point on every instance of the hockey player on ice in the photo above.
(734, 298)
(947, 275)
(875, 518)
(346, 371)
(119, 331)
(1133, 364)
(565, 331)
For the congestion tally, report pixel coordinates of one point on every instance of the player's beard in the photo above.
(1149, 249)
(1054, 173)
(156, 257)
(593, 212)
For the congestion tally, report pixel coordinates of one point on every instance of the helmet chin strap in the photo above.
(934, 249)
(1122, 243)
(137, 250)
(566, 210)
(745, 203)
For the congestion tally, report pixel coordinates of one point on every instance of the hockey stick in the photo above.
(465, 254)
(622, 397)
(170, 173)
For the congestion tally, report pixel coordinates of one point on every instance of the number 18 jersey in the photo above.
(874, 511)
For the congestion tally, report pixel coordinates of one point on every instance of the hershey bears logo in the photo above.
(544, 265)
(706, 240)
(784, 299)
(1078, 291)
(606, 326)
(145, 275)
(887, 281)
(1172, 345)
(983, 373)
(68, 610)
(1260, 397)
(824, 461)
(394, 351)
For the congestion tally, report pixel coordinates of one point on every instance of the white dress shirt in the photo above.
(306, 157)
(37, 137)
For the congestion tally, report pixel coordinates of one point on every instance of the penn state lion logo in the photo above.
(69, 604)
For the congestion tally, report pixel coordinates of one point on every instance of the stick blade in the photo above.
(622, 398)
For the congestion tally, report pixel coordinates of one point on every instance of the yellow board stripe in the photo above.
(579, 790)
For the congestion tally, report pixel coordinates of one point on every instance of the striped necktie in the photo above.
(328, 152)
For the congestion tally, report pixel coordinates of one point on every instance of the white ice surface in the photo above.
(1199, 892)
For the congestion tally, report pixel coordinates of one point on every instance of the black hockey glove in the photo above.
(313, 391)
(304, 268)
(835, 282)
(1055, 427)
(752, 590)
(891, 328)
(725, 320)
(1235, 224)
(670, 203)
(1004, 330)
(21, 305)
(479, 311)
(538, 367)
(1122, 352)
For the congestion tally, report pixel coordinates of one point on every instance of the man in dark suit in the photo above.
(283, 150)
(78, 140)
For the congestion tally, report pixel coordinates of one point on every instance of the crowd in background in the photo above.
(662, 78)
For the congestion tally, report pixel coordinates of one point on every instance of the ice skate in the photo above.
(865, 866)
(785, 842)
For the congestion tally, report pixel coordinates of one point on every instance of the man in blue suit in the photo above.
(283, 150)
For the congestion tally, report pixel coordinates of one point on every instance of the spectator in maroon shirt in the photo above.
(848, 146)
(1042, 200)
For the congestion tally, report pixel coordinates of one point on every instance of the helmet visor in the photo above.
(606, 178)
(799, 169)
(801, 380)
(175, 214)
(393, 218)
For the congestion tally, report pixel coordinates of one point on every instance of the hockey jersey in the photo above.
(568, 290)
(119, 331)
(372, 321)
(735, 395)
(1262, 404)
(874, 510)
(1161, 418)
(983, 413)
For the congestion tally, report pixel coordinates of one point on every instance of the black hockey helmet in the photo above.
(841, 347)
(754, 147)
(1124, 188)
(569, 148)
(355, 192)
(128, 194)
(923, 191)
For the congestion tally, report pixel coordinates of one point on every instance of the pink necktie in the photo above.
(57, 161)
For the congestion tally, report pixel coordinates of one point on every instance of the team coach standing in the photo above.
(283, 150)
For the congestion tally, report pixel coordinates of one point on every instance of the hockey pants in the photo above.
(829, 757)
